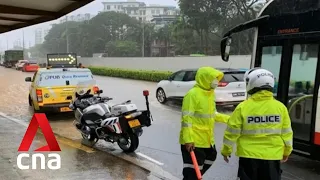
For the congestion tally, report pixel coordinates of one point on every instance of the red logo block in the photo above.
(39, 120)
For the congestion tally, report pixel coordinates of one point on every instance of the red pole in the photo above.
(195, 164)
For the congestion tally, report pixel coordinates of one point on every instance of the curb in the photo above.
(156, 172)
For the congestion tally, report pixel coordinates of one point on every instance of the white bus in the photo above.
(287, 43)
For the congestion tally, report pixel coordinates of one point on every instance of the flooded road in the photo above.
(159, 147)
(77, 161)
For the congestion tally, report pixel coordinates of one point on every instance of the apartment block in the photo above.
(140, 10)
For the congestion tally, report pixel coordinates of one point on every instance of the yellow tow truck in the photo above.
(51, 86)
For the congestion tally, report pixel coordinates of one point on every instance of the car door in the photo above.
(175, 83)
(33, 85)
(187, 83)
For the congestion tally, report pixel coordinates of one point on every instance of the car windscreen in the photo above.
(233, 77)
(64, 78)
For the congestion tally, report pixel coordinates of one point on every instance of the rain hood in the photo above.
(205, 76)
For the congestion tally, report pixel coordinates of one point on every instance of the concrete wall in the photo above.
(166, 63)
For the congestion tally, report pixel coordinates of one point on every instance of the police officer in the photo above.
(197, 125)
(261, 127)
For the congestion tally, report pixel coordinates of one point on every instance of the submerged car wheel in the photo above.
(130, 144)
(161, 96)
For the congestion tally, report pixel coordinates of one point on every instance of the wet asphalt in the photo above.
(77, 161)
(159, 145)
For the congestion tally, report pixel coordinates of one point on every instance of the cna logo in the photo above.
(54, 162)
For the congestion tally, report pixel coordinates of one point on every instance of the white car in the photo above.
(230, 91)
(20, 64)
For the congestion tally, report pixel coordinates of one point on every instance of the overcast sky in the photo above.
(92, 8)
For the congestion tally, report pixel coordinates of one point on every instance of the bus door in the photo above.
(303, 93)
(294, 65)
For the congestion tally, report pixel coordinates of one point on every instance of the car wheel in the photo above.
(30, 102)
(161, 96)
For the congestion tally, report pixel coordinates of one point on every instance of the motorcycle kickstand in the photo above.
(95, 142)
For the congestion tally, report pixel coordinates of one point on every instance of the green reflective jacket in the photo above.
(261, 128)
(199, 110)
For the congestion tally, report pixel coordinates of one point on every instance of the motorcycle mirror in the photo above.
(100, 91)
(69, 97)
(145, 93)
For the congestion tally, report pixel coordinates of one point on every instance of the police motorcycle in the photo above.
(97, 119)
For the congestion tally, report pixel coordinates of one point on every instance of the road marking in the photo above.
(149, 158)
(75, 144)
(60, 139)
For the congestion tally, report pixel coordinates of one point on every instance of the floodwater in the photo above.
(159, 146)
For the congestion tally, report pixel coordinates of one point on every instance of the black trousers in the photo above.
(205, 158)
(257, 169)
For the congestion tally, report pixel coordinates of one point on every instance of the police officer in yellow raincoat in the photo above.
(261, 128)
(198, 117)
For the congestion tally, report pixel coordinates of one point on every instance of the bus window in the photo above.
(302, 77)
(271, 58)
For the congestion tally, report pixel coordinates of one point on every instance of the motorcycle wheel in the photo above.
(131, 145)
(88, 137)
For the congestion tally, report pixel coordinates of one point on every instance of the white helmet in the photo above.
(258, 79)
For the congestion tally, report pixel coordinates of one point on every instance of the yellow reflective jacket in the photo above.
(261, 128)
(199, 110)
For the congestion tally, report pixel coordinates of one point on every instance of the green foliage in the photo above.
(197, 30)
(122, 48)
(154, 76)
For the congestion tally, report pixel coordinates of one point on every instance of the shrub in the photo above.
(146, 75)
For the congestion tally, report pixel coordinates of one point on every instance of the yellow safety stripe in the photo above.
(266, 131)
(198, 115)
(288, 143)
(185, 125)
(233, 130)
(261, 131)
(228, 142)
(185, 165)
(209, 162)
(286, 130)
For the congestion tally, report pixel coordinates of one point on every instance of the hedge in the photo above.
(145, 75)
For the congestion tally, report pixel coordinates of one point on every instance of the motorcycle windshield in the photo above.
(83, 87)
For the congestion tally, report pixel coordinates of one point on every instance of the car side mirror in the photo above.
(28, 79)
(69, 97)
(225, 48)
(170, 78)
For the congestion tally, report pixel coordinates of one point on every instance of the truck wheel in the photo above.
(131, 143)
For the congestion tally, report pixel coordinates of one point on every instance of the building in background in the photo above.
(39, 35)
(139, 10)
(77, 18)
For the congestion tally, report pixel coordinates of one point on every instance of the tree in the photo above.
(37, 51)
(198, 29)
(122, 49)
(88, 37)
